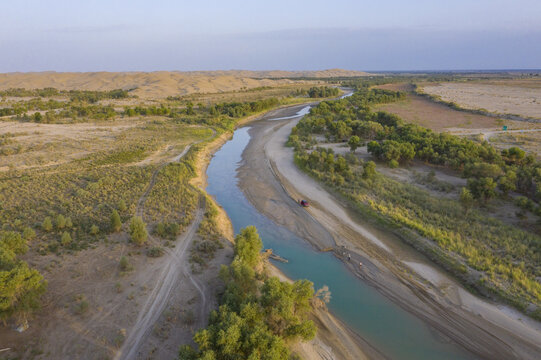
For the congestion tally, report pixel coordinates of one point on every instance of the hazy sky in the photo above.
(117, 35)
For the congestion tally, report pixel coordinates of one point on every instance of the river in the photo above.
(389, 328)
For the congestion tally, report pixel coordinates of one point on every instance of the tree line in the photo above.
(490, 172)
(506, 257)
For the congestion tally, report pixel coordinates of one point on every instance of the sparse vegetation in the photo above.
(204, 248)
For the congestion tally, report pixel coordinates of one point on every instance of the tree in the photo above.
(369, 169)
(122, 206)
(513, 155)
(367, 129)
(483, 188)
(37, 117)
(69, 223)
(374, 148)
(125, 264)
(28, 234)
(508, 182)
(116, 223)
(482, 169)
(466, 199)
(341, 165)
(20, 286)
(342, 130)
(285, 304)
(65, 239)
(248, 245)
(189, 109)
(329, 162)
(138, 230)
(60, 222)
(94, 230)
(393, 164)
(11, 245)
(47, 224)
(354, 142)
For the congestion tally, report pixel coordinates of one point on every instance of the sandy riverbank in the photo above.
(272, 183)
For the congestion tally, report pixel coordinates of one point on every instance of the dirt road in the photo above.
(168, 277)
(141, 202)
(159, 296)
(488, 331)
(487, 134)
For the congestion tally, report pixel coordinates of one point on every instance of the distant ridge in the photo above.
(164, 83)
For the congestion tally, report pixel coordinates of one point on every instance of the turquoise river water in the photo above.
(393, 331)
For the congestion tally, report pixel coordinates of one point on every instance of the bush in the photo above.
(94, 230)
(155, 252)
(125, 264)
(60, 222)
(138, 231)
(122, 206)
(369, 169)
(28, 233)
(47, 224)
(82, 307)
(65, 239)
(116, 223)
(167, 230)
(354, 142)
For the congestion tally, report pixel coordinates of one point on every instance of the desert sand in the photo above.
(523, 99)
(161, 84)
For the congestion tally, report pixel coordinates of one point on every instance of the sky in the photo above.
(136, 35)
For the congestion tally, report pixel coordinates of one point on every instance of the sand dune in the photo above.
(163, 83)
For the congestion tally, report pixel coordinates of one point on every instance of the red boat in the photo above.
(304, 203)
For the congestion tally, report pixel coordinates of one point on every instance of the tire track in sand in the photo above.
(168, 277)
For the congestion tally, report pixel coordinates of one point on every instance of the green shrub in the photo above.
(47, 224)
(155, 251)
(60, 222)
(65, 239)
(94, 230)
(369, 169)
(122, 205)
(28, 233)
(138, 231)
(125, 264)
(116, 223)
